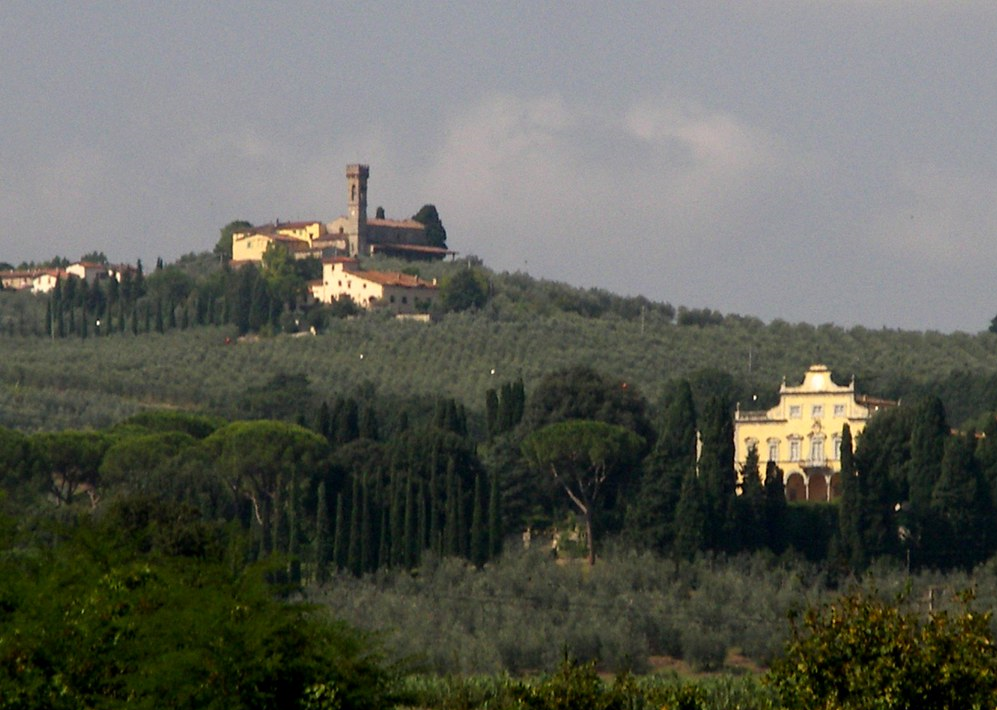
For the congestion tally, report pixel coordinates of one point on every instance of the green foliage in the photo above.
(436, 235)
(861, 652)
(582, 455)
(463, 290)
(99, 620)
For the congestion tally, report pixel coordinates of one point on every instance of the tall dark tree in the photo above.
(716, 473)
(494, 516)
(436, 235)
(929, 431)
(651, 511)
(776, 508)
(479, 530)
(963, 506)
(749, 506)
(691, 518)
(321, 541)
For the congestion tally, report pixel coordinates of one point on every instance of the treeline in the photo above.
(251, 298)
(337, 496)
(362, 483)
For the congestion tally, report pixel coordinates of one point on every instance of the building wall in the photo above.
(342, 278)
(802, 434)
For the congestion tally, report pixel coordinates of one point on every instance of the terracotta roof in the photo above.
(416, 248)
(393, 278)
(396, 223)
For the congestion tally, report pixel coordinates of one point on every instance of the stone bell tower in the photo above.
(356, 186)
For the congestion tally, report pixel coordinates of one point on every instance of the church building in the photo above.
(351, 235)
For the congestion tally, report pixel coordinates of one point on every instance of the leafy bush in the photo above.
(860, 652)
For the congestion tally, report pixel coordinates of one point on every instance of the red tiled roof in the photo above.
(393, 278)
(396, 223)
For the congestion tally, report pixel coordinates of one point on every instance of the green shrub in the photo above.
(860, 652)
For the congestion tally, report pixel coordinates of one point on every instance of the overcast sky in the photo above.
(818, 162)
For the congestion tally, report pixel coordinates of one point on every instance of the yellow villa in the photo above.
(802, 434)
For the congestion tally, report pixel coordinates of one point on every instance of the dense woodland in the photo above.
(407, 476)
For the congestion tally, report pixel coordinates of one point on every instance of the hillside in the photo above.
(528, 328)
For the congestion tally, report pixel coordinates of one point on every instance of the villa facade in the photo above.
(802, 434)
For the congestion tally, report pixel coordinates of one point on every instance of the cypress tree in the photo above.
(384, 557)
(321, 539)
(962, 504)
(717, 477)
(929, 432)
(451, 532)
(411, 545)
(750, 505)
(324, 423)
(650, 517)
(368, 538)
(84, 322)
(369, 427)
(435, 505)
(491, 414)
(422, 523)
(160, 328)
(121, 316)
(691, 518)
(354, 558)
(48, 318)
(341, 541)
(494, 517)
(398, 541)
(462, 531)
(346, 424)
(294, 560)
(776, 508)
(849, 508)
(479, 535)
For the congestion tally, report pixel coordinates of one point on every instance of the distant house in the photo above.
(89, 271)
(802, 434)
(398, 293)
(18, 279)
(350, 235)
(44, 280)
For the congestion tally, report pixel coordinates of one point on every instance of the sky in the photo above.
(819, 162)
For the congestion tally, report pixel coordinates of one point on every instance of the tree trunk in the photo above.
(591, 540)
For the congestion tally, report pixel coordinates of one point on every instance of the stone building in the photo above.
(352, 234)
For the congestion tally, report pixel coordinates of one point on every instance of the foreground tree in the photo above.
(582, 455)
(863, 652)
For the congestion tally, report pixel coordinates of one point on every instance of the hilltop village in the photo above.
(337, 245)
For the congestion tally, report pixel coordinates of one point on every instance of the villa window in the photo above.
(817, 451)
(794, 449)
(836, 448)
(839, 410)
(404, 299)
(795, 412)
(773, 450)
(817, 411)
